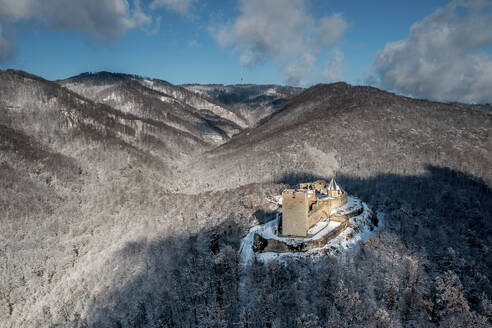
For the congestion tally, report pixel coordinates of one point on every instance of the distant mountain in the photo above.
(342, 129)
(254, 102)
(156, 99)
(54, 115)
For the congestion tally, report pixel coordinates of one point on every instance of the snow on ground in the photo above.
(353, 203)
(271, 92)
(167, 99)
(329, 228)
(361, 228)
(317, 228)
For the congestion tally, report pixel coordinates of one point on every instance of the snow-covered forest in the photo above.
(124, 200)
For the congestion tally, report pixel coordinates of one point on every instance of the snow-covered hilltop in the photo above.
(334, 221)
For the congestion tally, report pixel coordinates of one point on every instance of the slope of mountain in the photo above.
(342, 129)
(123, 201)
(128, 91)
(254, 102)
(53, 114)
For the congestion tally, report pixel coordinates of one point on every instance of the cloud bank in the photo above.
(282, 30)
(106, 20)
(444, 57)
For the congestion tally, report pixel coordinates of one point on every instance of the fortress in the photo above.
(310, 217)
(303, 208)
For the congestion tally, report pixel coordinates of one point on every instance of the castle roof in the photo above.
(333, 186)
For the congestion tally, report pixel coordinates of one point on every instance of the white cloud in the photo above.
(7, 51)
(105, 19)
(334, 67)
(180, 6)
(266, 28)
(444, 57)
(283, 30)
(296, 70)
(332, 29)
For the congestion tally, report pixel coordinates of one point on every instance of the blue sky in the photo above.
(197, 41)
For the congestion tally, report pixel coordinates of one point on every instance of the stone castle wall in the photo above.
(261, 245)
(328, 204)
(316, 215)
(323, 208)
(319, 186)
(345, 217)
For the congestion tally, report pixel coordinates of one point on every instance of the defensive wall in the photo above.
(261, 244)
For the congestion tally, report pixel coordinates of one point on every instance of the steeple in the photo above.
(333, 188)
(333, 185)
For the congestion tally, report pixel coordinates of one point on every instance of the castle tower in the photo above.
(333, 189)
(304, 208)
(295, 209)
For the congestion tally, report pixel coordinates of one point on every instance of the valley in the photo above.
(124, 200)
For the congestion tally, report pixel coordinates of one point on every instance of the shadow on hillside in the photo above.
(182, 281)
(264, 216)
(420, 191)
(194, 280)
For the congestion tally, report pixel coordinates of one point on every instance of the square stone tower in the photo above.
(295, 209)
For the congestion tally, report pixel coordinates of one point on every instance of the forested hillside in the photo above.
(123, 201)
(251, 101)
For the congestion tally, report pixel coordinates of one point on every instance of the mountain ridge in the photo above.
(113, 215)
